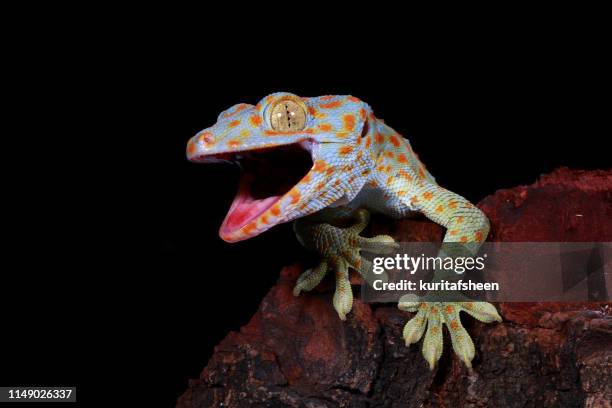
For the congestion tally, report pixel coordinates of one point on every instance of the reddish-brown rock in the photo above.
(295, 352)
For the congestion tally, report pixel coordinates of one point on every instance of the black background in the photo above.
(119, 276)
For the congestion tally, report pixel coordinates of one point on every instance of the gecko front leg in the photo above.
(468, 226)
(334, 233)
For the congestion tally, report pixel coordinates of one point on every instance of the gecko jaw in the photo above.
(268, 174)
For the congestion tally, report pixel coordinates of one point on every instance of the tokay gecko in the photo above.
(327, 162)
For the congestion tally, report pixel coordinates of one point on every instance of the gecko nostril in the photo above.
(207, 138)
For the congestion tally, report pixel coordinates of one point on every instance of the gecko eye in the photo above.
(288, 115)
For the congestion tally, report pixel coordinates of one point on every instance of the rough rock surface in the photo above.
(295, 352)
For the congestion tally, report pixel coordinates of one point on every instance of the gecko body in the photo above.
(352, 163)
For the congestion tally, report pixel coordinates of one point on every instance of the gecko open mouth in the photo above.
(268, 174)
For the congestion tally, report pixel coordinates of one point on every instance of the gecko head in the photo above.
(298, 156)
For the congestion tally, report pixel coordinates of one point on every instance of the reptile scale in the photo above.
(353, 164)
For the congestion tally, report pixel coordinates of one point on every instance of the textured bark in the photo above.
(295, 352)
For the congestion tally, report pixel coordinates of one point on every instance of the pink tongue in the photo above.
(245, 209)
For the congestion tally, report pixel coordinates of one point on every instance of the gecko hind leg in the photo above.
(340, 248)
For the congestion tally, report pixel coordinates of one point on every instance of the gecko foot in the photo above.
(434, 316)
(340, 248)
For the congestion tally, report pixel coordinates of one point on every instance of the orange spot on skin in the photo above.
(312, 111)
(362, 113)
(331, 105)
(440, 209)
(255, 120)
(402, 158)
(463, 238)
(452, 232)
(389, 154)
(459, 219)
(478, 236)
(379, 138)
(359, 155)
(295, 196)
(349, 122)
(306, 178)
(248, 229)
(234, 143)
(191, 147)
(344, 150)
(342, 135)
(454, 325)
(233, 123)
(449, 309)
(264, 219)
(319, 165)
(427, 195)
(452, 204)
(434, 309)
(320, 186)
(414, 199)
(421, 173)
(405, 175)
(239, 108)
(394, 141)
(275, 210)
(368, 142)
(336, 183)
(325, 127)
(326, 97)
(353, 99)
(389, 180)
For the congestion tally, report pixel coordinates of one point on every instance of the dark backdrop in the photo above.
(106, 171)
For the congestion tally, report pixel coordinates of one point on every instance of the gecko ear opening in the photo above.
(365, 129)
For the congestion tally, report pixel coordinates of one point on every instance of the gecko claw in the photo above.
(310, 278)
(343, 296)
